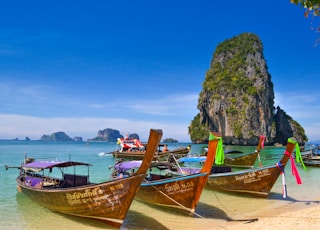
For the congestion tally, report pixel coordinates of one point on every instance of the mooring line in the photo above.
(224, 207)
(183, 207)
(173, 200)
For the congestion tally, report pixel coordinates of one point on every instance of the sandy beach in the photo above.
(298, 218)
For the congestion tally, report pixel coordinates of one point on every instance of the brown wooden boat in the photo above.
(242, 160)
(311, 156)
(73, 194)
(311, 160)
(166, 188)
(254, 181)
(159, 154)
(245, 160)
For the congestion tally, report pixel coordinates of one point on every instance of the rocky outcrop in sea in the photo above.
(111, 135)
(237, 98)
(58, 136)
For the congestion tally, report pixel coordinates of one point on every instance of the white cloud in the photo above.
(20, 126)
(304, 108)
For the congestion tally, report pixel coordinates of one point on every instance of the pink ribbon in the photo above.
(262, 143)
(294, 169)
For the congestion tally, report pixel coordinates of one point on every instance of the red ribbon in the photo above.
(263, 139)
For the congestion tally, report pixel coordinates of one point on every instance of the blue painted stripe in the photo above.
(170, 180)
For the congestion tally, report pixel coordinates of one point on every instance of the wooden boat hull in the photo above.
(73, 194)
(311, 162)
(241, 161)
(181, 192)
(254, 181)
(244, 160)
(139, 155)
(257, 182)
(108, 202)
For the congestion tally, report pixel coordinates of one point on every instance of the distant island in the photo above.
(110, 135)
(170, 140)
(105, 135)
(58, 136)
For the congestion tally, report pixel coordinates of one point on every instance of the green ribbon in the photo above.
(219, 160)
(298, 153)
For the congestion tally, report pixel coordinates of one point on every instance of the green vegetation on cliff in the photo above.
(198, 132)
(237, 97)
(229, 72)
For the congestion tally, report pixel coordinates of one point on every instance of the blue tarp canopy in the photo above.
(192, 159)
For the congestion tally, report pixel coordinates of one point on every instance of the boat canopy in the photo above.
(192, 159)
(127, 165)
(40, 165)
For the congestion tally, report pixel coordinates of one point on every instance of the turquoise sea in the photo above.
(214, 211)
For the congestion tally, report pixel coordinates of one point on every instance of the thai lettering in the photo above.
(91, 195)
(177, 188)
(253, 176)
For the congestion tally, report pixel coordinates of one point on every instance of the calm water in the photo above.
(214, 210)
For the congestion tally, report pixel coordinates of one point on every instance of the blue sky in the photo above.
(84, 66)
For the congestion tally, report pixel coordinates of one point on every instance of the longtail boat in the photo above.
(243, 160)
(247, 159)
(253, 181)
(314, 161)
(73, 194)
(311, 157)
(158, 155)
(181, 191)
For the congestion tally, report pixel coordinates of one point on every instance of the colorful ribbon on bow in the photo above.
(262, 139)
(262, 142)
(299, 157)
(294, 169)
(219, 160)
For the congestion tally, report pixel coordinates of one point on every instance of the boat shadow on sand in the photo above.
(203, 210)
(238, 212)
(30, 213)
(278, 196)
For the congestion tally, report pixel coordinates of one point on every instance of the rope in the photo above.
(259, 159)
(177, 163)
(183, 207)
(173, 200)
(224, 207)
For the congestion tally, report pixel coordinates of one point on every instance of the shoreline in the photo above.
(297, 216)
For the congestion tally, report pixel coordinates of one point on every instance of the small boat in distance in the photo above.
(74, 194)
(311, 155)
(133, 149)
